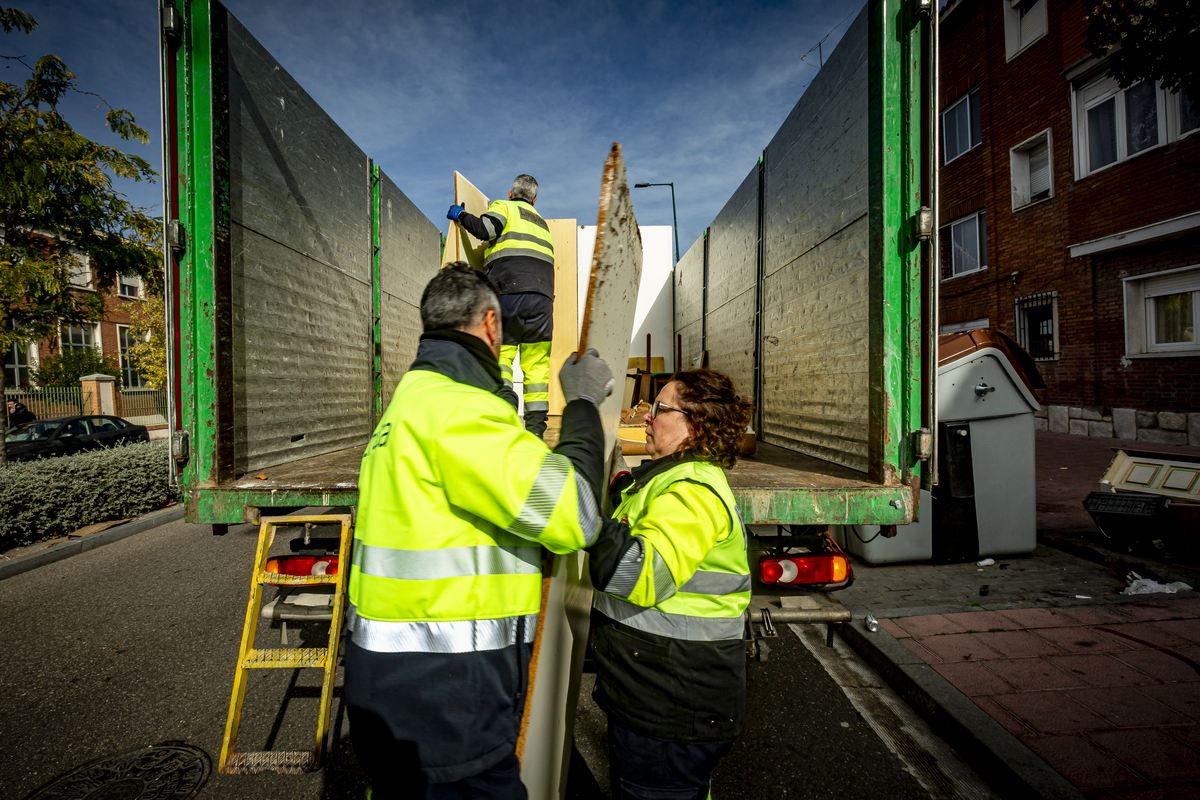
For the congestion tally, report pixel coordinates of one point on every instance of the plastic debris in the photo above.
(987, 562)
(1147, 586)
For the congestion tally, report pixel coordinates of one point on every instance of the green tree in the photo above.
(1154, 40)
(72, 363)
(58, 205)
(148, 330)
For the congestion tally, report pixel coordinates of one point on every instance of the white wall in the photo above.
(654, 313)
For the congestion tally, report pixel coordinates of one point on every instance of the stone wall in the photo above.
(1152, 427)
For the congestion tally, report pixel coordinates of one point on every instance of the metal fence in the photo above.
(143, 406)
(47, 402)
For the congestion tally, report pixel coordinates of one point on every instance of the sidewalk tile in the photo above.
(1051, 712)
(1153, 753)
(1163, 791)
(1096, 615)
(1184, 628)
(1189, 605)
(1149, 634)
(973, 678)
(958, 647)
(1126, 707)
(1080, 639)
(1188, 734)
(895, 630)
(1034, 674)
(1018, 644)
(1149, 610)
(1002, 715)
(919, 650)
(1183, 697)
(1102, 669)
(1036, 617)
(983, 621)
(1159, 664)
(1081, 762)
(929, 625)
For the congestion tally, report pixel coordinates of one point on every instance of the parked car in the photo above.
(64, 436)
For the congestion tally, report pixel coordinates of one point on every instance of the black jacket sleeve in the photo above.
(582, 442)
(476, 227)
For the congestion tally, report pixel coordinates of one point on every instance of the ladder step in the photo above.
(283, 762)
(278, 579)
(287, 658)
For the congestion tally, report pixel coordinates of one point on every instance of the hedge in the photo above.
(51, 497)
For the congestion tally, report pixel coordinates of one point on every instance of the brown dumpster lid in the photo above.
(955, 346)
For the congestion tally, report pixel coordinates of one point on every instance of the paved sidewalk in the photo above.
(1102, 689)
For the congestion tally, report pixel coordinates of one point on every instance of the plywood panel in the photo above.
(460, 245)
(566, 306)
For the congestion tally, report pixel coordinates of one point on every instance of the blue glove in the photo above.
(453, 213)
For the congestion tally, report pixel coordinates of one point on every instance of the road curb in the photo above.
(1000, 758)
(16, 566)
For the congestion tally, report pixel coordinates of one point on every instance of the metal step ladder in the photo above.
(326, 658)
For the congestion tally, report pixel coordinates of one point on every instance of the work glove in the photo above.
(453, 213)
(588, 379)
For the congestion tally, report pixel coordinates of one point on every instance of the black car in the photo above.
(66, 435)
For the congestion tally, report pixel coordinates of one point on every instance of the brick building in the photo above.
(1070, 218)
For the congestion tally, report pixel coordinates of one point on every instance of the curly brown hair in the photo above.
(716, 415)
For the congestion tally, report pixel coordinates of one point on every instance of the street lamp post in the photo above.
(674, 217)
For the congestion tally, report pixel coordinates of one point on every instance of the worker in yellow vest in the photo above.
(673, 584)
(456, 502)
(520, 260)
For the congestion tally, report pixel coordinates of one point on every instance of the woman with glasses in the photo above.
(672, 584)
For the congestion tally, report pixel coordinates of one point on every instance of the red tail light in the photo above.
(824, 569)
(303, 565)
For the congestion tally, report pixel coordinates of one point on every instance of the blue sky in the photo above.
(693, 92)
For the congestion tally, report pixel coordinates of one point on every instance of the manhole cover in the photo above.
(168, 771)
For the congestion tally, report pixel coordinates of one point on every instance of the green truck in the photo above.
(295, 265)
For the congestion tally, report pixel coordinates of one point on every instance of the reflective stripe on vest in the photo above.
(449, 562)
(674, 626)
(525, 233)
(437, 636)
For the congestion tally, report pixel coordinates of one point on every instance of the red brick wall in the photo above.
(1019, 99)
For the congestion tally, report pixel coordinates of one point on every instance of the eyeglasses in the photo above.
(657, 404)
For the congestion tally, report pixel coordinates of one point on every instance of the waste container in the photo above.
(984, 503)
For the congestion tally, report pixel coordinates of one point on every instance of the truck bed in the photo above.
(775, 486)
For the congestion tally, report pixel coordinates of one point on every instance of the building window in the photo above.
(81, 272)
(1037, 325)
(1032, 173)
(77, 335)
(18, 360)
(1162, 313)
(1024, 24)
(964, 246)
(960, 126)
(1113, 124)
(129, 376)
(968, 325)
(129, 286)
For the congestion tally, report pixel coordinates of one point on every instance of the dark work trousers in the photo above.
(647, 769)
(395, 771)
(528, 319)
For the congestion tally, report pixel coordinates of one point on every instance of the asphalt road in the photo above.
(132, 644)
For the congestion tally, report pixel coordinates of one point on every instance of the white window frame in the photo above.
(82, 276)
(966, 98)
(947, 230)
(131, 280)
(31, 363)
(96, 341)
(127, 368)
(1013, 45)
(966, 325)
(1018, 160)
(1139, 316)
(1021, 306)
(1088, 95)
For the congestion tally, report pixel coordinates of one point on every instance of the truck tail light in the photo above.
(303, 565)
(819, 571)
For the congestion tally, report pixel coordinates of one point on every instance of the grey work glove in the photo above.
(588, 379)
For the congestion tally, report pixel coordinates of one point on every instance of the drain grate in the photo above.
(167, 771)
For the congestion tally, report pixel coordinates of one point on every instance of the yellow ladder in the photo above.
(284, 762)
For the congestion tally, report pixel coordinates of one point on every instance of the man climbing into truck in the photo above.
(519, 259)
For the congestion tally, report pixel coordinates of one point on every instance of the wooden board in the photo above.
(563, 626)
(566, 303)
(460, 245)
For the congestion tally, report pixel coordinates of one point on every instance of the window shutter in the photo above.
(1174, 283)
(944, 250)
(1033, 21)
(1039, 171)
